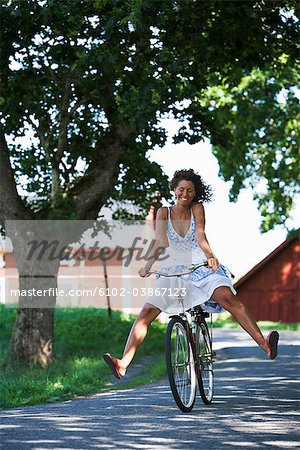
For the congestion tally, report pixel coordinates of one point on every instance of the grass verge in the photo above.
(225, 320)
(150, 373)
(82, 336)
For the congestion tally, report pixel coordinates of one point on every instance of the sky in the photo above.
(232, 229)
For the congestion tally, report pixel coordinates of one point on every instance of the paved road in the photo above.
(256, 407)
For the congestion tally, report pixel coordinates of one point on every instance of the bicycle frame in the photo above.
(201, 346)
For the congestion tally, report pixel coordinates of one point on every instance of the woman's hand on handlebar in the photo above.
(213, 263)
(143, 272)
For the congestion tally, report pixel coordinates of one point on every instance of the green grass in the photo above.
(150, 373)
(225, 320)
(81, 337)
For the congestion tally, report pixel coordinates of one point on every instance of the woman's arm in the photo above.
(200, 236)
(161, 240)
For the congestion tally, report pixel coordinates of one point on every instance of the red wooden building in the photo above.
(271, 289)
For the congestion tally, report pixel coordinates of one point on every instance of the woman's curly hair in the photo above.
(203, 190)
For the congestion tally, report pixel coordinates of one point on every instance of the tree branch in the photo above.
(41, 135)
(94, 188)
(76, 106)
(11, 204)
(65, 118)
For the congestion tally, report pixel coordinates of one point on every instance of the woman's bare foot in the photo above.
(118, 362)
(272, 344)
(265, 348)
(115, 365)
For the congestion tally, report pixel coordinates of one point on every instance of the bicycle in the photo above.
(189, 354)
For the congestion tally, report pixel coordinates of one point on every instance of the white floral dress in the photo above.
(199, 285)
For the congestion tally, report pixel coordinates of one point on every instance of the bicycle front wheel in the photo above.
(205, 358)
(180, 364)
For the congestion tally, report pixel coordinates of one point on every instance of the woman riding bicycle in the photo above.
(182, 229)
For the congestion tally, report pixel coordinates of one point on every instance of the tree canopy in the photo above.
(90, 81)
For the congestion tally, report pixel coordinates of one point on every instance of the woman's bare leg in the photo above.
(137, 335)
(231, 303)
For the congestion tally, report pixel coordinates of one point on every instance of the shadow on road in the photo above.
(254, 408)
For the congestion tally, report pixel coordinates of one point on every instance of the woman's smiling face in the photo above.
(185, 192)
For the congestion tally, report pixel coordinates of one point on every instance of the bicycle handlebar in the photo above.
(191, 268)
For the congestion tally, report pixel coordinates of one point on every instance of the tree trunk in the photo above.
(33, 336)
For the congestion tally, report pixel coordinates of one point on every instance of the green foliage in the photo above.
(260, 120)
(225, 320)
(86, 79)
(82, 336)
(62, 209)
(294, 233)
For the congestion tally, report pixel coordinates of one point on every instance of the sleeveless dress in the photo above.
(199, 285)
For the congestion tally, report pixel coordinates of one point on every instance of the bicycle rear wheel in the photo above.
(205, 358)
(180, 364)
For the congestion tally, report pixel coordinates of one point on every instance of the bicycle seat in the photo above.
(199, 311)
